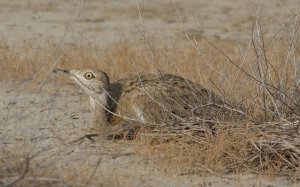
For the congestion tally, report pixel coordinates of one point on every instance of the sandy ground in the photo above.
(43, 125)
(105, 22)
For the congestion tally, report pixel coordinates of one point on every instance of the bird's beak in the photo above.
(67, 73)
(61, 71)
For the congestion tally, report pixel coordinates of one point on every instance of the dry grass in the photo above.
(270, 148)
(261, 74)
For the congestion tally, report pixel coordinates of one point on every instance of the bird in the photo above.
(145, 99)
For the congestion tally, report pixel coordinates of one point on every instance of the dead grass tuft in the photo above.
(270, 148)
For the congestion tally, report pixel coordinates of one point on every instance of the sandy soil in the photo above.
(44, 125)
(105, 22)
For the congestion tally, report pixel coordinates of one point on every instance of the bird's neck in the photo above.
(99, 108)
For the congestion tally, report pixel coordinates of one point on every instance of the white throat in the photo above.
(99, 99)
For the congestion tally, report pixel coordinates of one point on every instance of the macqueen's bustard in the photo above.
(146, 99)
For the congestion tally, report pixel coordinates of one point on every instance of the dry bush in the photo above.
(270, 148)
(266, 78)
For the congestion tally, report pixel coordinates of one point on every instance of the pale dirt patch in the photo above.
(105, 22)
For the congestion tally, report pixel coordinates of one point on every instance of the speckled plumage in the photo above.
(161, 97)
(145, 98)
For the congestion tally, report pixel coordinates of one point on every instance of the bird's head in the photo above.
(92, 81)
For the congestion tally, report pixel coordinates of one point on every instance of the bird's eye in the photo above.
(89, 76)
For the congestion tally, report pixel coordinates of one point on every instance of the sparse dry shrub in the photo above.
(268, 77)
(269, 148)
